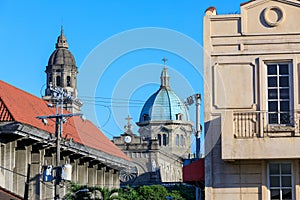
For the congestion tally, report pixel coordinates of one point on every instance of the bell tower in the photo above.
(62, 72)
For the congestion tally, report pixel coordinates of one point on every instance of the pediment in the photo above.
(270, 17)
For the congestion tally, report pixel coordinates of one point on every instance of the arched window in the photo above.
(58, 81)
(159, 139)
(165, 139)
(179, 116)
(146, 117)
(181, 140)
(50, 78)
(68, 81)
(177, 140)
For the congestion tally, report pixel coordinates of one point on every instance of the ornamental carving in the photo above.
(273, 16)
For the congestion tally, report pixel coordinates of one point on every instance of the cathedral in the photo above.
(163, 141)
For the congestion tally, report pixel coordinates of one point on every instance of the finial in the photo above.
(165, 60)
(129, 125)
(164, 78)
(62, 40)
(62, 30)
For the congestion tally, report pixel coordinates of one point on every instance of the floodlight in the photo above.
(45, 121)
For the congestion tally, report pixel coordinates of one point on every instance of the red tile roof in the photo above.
(20, 106)
(7, 195)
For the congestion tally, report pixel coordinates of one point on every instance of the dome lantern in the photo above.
(164, 104)
(61, 40)
(164, 78)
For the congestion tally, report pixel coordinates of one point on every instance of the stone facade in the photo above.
(62, 72)
(164, 138)
(155, 163)
(251, 73)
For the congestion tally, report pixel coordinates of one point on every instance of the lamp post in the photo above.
(60, 95)
(189, 102)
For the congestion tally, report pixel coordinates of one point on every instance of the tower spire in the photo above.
(62, 30)
(164, 78)
(62, 40)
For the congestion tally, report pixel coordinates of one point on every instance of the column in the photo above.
(82, 174)
(100, 176)
(19, 168)
(35, 175)
(91, 176)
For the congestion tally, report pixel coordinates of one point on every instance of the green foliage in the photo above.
(77, 192)
(153, 192)
(186, 192)
(128, 194)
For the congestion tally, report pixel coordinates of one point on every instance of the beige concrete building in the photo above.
(251, 73)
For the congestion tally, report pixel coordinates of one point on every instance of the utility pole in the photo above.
(61, 96)
(189, 101)
(198, 127)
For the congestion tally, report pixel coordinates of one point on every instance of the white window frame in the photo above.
(291, 97)
(281, 188)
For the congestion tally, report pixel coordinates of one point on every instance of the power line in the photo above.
(12, 171)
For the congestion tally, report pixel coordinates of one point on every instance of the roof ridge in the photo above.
(5, 115)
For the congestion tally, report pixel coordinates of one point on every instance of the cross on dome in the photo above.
(164, 78)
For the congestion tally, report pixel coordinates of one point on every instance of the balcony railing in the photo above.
(250, 124)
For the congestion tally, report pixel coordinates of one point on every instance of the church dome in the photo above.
(164, 104)
(61, 55)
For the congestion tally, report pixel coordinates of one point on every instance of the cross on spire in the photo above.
(164, 78)
(165, 60)
(129, 125)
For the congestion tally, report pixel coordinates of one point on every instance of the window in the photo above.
(279, 93)
(57, 80)
(164, 139)
(179, 116)
(68, 81)
(146, 117)
(177, 140)
(50, 79)
(181, 140)
(159, 139)
(280, 181)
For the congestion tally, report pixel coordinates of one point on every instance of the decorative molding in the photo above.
(269, 12)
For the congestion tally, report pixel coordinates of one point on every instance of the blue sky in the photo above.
(29, 30)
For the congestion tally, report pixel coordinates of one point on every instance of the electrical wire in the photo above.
(19, 174)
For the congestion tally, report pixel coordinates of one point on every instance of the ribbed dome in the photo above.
(61, 56)
(163, 105)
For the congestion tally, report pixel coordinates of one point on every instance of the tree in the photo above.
(77, 192)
